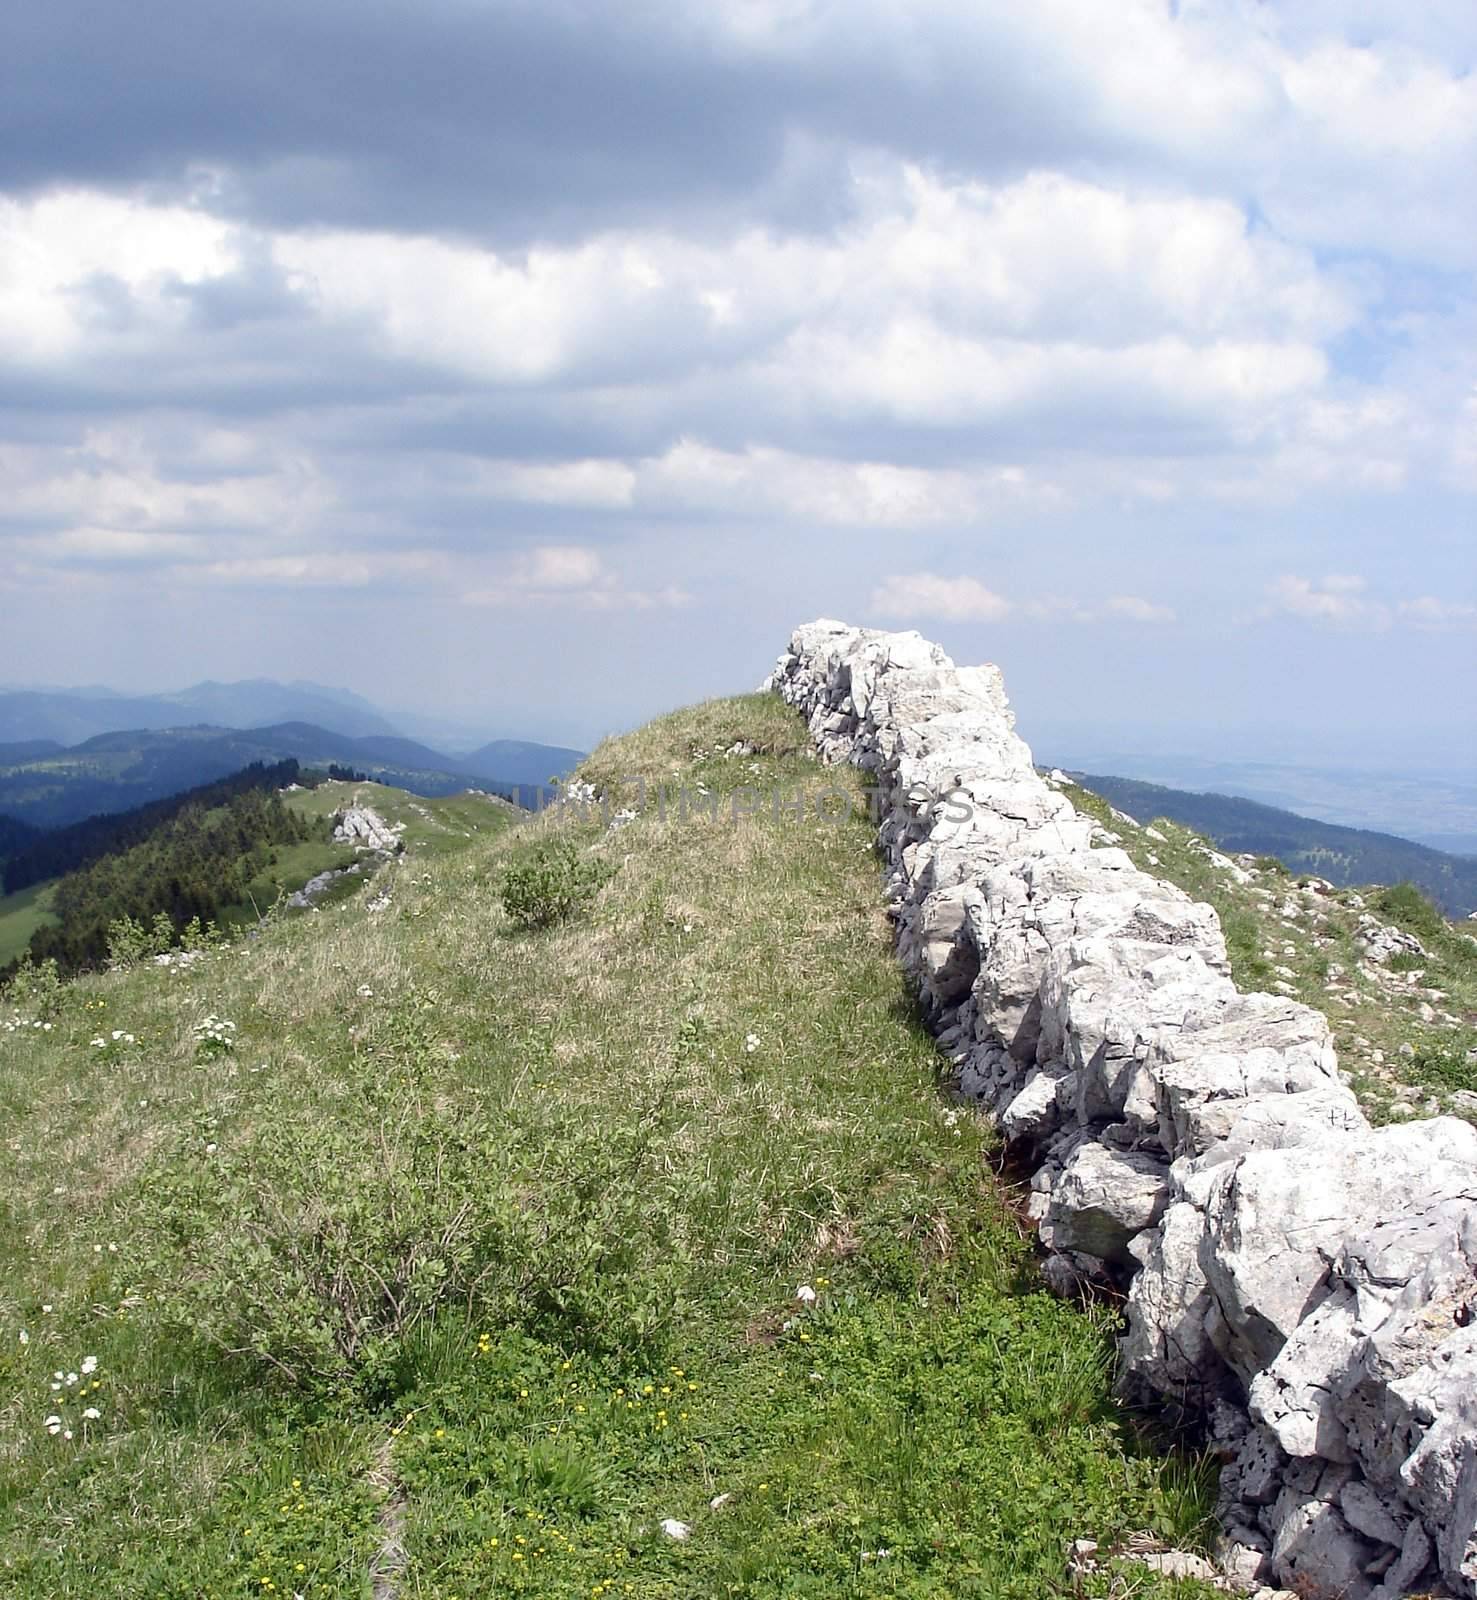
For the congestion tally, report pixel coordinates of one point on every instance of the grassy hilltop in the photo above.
(431, 826)
(400, 1251)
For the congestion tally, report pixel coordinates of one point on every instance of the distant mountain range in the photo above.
(1342, 855)
(66, 754)
(52, 786)
(69, 717)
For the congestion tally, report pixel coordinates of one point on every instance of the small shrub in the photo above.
(550, 884)
(196, 936)
(36, 988)
(130, 942)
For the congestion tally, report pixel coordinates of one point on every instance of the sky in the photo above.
(539, 366)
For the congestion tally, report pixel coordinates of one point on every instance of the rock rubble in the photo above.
(1304, 1283)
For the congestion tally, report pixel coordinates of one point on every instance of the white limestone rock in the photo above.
(1102, 1199)
(365, 829)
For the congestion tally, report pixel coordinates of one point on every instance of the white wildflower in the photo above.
(53, 1424)
(806, 1295)
(89, 1365)
(751, 1043)
(91, 1414)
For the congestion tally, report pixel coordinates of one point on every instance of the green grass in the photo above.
(475, 1255)
(20, 916)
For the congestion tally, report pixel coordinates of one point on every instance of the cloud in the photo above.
(555, 575)
(1429, 612)
(1338, 598)
(699, 314)
(919, 595)
(312, 570)
(449, 124)
(926, 594)
(941, 302)
(559, 567)
(1137, 609)
(1346, 600)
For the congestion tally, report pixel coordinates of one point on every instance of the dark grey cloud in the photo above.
(508, 122)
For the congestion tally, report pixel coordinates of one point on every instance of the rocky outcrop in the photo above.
(1305, 1283)
(1382, 944)
(365, 829)
(319, 885)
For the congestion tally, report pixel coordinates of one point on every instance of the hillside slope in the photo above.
(1344, 856)
(1404, 1019)
(427, 827)
(401, 1251)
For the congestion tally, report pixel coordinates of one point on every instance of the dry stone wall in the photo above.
(1305, 1283)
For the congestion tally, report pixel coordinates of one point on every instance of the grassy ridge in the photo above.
(468, 1256)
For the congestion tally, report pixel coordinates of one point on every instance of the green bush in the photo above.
(551, 883)
(36, 988)
(130, 942)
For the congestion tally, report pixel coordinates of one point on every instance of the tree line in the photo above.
(193, 867)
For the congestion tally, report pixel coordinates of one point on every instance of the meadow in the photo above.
(397, 1250)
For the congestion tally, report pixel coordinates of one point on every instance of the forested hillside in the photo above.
(15, 836)
(39, 856)
(190, 868)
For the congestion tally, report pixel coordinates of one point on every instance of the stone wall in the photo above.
(1303, 1282)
